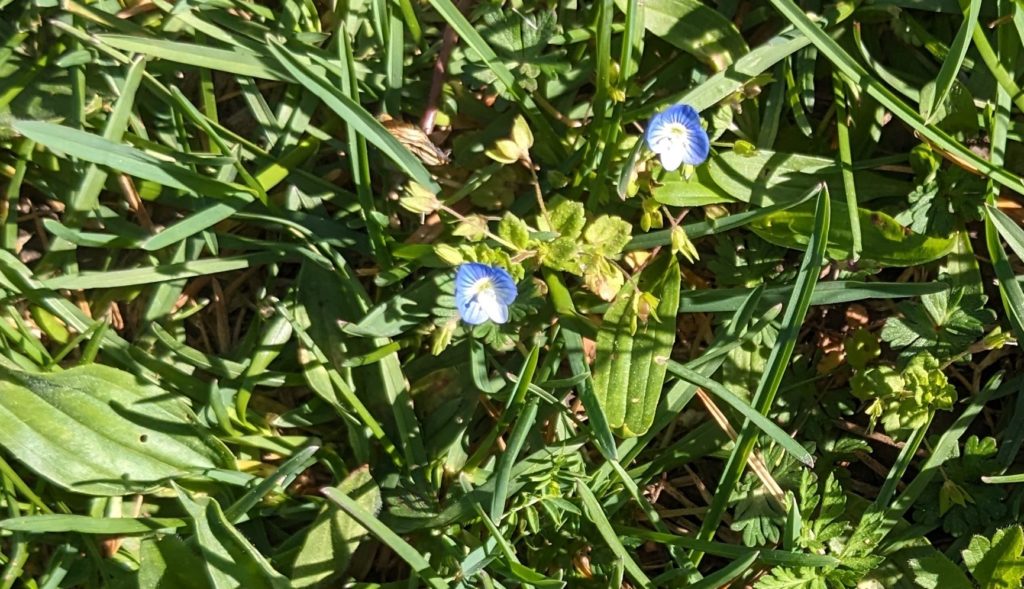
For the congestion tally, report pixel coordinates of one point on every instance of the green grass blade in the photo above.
(723, 576)
(282, 477)
(846, 161)
(827, 293)
(954, 61)
(861, 77)
(996, 223)
(773, 431)
(503, 470)
(98, 150)
(82, 524)
(729, 80)
(161, 273)
(353, 114)
(86, 198)
(403, 549)
(469, 35)
(775, 367)
(237, 60)
(597, 516)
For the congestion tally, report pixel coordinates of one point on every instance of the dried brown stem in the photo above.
(440, 71)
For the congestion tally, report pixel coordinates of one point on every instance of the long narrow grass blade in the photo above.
(861, 77)
(604, 527)
(403, 549)
(353, 114)
(775, 367)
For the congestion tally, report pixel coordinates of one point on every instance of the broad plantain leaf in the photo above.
(631, 353)
(334, 535)
(230, 559)
(167, 563)
(885, 242)
(97, 430)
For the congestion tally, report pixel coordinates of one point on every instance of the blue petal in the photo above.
(467, 302)
(504, 286)
(685, 114)
(468, 274)
(698, 149)
(472, 313)
(699, 146)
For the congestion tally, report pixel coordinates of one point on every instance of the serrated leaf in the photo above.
(97, 430)
(797, 578)
(563, 254)
(514, 230)
(943, 324)
(999, 565)
(757, 518)
(608, 235)
(567, 219)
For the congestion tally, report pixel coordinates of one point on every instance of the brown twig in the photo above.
(440, 70)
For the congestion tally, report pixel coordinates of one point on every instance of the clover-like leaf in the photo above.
(608, 235)
(567, 219)
(514, 230)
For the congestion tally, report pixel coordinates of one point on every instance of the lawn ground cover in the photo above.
(435, 293)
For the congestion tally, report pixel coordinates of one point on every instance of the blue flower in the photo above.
(483, 292)
(675, 134)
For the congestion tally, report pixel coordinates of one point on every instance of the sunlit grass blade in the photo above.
(775, 367)
(846, 161)
(729, 80)
(996, 223)
(420, 566)
(86, 198)
(723, 576)
(596, 418)
(515, 402)
(860, 76)
(160, 273)
(826, 293)
(82, 524)
(611, 538)
(773, 431)
(352, 113)
(952, 64)
(281, 478)
(102, 151)
(503, 469)
(237, 60)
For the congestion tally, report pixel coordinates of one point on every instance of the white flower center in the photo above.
(672, 136)
(480, 287)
